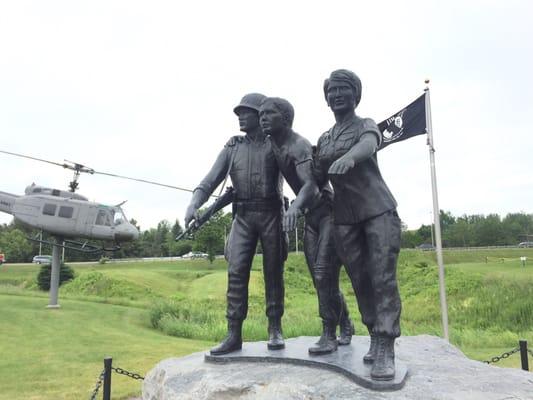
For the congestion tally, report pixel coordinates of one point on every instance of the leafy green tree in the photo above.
(182, 247)
(410, 239)
(517, 227)
(447, 220)
(424, 232)
(176, 229)
(489, 231)
(459, 234)
(15, 245)
(210, 237)
(176, 248)
(148, 243)
(161, 238)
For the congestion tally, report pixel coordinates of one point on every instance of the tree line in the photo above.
(154, 242)
(474, 230)
(464, 231)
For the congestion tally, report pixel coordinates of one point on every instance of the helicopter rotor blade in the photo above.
(82, 168)
(32, 158)
(144, 181)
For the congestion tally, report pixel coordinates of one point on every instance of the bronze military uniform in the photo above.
(367, 227)
(257, 210)
(257, 215)
(319, 246)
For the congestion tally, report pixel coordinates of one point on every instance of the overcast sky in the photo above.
(146, 89)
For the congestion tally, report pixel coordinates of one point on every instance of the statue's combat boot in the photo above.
(327, 342)
(233, 340)
(383, 367)
(370, 356)
(346, 329)
(275, 335)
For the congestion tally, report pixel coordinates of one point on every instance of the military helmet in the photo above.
(251, 100)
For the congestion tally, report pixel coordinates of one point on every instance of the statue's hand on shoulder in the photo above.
(341, 166)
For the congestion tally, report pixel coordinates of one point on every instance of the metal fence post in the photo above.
(108, 361)
(523, 354)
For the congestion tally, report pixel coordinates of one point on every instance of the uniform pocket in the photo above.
(345, 144)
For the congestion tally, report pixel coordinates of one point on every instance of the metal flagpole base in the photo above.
(53, 306)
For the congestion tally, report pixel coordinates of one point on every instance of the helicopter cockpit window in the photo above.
(65, 212)
(103, 218)
(119, 217)
(49, 209)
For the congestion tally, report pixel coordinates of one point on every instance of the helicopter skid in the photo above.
(83, 247)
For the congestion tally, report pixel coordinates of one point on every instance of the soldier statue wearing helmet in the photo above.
(257, 216)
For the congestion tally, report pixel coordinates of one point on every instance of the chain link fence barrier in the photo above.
(98, 385)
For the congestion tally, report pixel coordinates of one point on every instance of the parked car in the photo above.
(195, 254)
(525, 244)
(2, 258)
(42, 259)
(425, 247)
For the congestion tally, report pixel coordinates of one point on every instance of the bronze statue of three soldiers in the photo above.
(350, 219)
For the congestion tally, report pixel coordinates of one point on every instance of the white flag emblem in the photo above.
(394, 127)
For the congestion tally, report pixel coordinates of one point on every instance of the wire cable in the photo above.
(82, 168)
(144, 181)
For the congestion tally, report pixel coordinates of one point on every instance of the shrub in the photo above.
(66, 274)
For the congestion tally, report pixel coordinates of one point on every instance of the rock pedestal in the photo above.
(347, 360)
(437, 371)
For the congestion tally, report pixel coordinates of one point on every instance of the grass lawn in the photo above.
(508, 268)
(58, 354)
(142, 312)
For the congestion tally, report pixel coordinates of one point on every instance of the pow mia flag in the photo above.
(409, 122)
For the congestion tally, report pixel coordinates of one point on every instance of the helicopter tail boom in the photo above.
(7, 201)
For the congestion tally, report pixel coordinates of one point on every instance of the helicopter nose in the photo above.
(126, 233)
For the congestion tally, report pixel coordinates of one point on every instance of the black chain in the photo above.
(130, 374)
(504, 355)
(98, 385)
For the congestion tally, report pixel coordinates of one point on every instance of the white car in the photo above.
(42, 259)
(195, 254)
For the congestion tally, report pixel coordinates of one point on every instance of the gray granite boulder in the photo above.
(437, 370)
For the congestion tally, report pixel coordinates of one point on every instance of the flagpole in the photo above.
(436, 217)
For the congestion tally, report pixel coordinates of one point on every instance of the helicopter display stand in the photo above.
(54, 276)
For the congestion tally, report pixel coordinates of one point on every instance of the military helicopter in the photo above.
(68, 215)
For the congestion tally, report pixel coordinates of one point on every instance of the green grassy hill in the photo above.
(142, 312)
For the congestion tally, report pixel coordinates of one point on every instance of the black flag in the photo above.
(409, 122)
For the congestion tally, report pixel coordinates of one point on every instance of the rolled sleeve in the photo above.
(369, 126)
